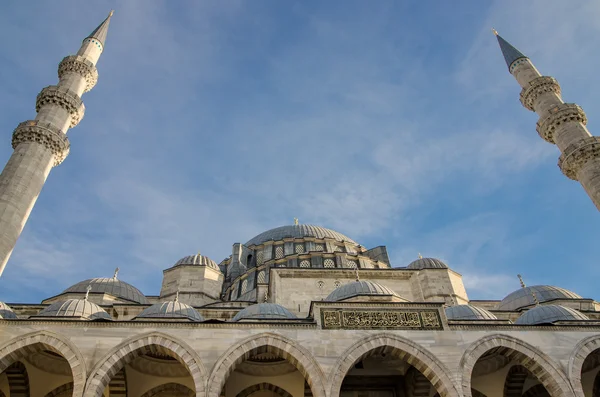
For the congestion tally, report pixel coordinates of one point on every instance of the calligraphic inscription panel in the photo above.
(380, 319)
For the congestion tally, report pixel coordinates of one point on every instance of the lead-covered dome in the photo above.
(298, 231)
(264, 311)
(171, 310)
(548, 314)
(468, 312)
(523, 297)
(360, 288)
(75, 308)
(6, 312)
(427, 263)
(112, 286)
(197, 260)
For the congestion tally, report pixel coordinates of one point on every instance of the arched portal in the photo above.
(264, 389)
(168, 353)
(584, 367)
(269, 358)
(58, 359)
(170, 390)
(407, 367)
(479, 373)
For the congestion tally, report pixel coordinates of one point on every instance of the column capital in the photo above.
(44, 134)
(577, 154)
(538, 86)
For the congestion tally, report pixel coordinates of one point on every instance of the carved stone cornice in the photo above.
(538, 86)
(558, 115)
(577, 154)
(80, 65)
(63, 97)
(45, 134)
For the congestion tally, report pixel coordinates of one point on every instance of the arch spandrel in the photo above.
(135, 346)
(19, 347)
(581, 351)
(417, 356)
(288, 349)
(534, 360)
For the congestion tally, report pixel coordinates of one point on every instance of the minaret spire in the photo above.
(42, 143)
(560, 123)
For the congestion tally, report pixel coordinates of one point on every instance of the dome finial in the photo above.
(420, 256)
(533, 295)
(521, 281)
(296, 221)
(87, 291)
(177, 296)
(357, 275)
(495, 31)
(266, 296)
(116, 273)
(110, 14)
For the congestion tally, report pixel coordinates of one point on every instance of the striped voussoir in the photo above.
(264, 386)
(153, 343)
(65, 390)
(276, 344)
(417, 356)
(117, 386)
(170, 389)
(536, 391)
(18, 380)
(539, 364)
(21, 347)
(582, 350)
(515, 380)
(418, 384)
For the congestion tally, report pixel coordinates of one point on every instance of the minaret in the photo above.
(42, 143)
(562, 124)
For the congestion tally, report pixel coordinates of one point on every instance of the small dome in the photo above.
(264, 311)
(6, 312)
(78, 308)
(359, 288)
(197, 260)
(468, 312)
(427, 263)
(112, 286)
(523, 296)
(171, 309)
(548, 314)
(298, 231)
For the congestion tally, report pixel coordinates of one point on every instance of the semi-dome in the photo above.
(264, 311)
(548, 314)
(6, 312)
(197, 260)
(359, 288)
(427, 263)
(523, 297)
(171, 309)
(468, 312)
(76, 308)
(298, 231)
(112, 286)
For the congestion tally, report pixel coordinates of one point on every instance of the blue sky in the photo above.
(395, 123)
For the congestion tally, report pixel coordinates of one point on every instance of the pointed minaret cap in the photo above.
(102, 30)
(510, 53)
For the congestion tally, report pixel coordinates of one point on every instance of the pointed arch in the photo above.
(581, 351)
(537, 362)
(20, 347)
(416, 355)
(170, 389)
(18, 380)
(65, 390)
(131, 348)
(264, 386)
(284, 347)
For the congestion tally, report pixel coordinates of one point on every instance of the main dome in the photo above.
(298, 231)
(112, 286)
(523, 296)
(360, 288)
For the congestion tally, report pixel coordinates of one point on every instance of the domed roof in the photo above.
(468, 312)
(171, 309)
(264, 311)
(298, 231)
(6, 312)
(523, 296)
(197, 260)
(358, 288)
(75, 308)
(547, 314)
(427, 263)
(112, 286)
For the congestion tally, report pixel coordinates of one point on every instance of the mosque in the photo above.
(297, 311)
